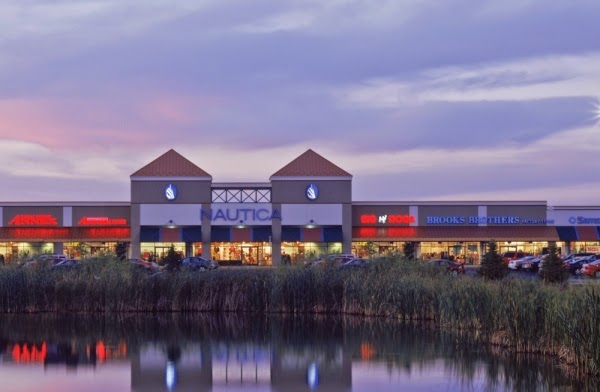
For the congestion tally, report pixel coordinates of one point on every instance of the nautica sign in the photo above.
(240, 214)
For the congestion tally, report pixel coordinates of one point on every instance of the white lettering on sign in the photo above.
(382, 218)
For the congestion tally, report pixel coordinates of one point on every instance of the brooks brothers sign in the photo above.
(489, 220)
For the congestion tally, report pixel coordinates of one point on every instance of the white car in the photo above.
(518, 263)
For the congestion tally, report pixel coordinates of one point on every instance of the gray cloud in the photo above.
(267, 75)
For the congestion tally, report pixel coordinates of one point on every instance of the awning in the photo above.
(313, 234)
(566, 233)
(456, 233)
(587, 233)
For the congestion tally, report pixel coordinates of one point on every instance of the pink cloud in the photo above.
(141, 119)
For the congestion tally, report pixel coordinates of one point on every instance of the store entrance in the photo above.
(242, 253)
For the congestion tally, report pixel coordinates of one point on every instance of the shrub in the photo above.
(553, 270)
(492, 267)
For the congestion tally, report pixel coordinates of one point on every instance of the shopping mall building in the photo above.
(305, 209)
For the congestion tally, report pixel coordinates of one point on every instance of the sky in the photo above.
(417, 99)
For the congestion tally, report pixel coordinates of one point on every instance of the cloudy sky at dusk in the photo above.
(418, 99)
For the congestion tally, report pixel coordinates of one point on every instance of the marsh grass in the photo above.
(522, 316)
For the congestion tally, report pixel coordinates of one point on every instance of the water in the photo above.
(255, 353)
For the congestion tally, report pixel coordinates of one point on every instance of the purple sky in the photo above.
(418, 99)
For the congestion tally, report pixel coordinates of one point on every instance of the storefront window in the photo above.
(303, 251)
(13, 251)
(581, 246)
(366, 249)
(462, 252)
(77, 250)
(156, 251)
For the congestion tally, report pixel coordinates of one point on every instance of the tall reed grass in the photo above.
(524, 316)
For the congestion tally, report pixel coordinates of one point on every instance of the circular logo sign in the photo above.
(572, 220)
(171, 192)
(312, 192)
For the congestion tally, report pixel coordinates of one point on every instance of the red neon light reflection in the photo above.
(102, 221)
(33, 220)
(385, 232)
(368, 219)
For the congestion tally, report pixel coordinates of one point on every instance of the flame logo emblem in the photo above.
(171, 192)
(312, 192)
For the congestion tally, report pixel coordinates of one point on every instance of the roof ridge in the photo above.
(171, 164)
(310, 163)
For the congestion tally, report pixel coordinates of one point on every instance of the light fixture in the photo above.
(241, 224)
(171, 224)
(311, 224)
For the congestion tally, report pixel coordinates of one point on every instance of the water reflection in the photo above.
(233, 353)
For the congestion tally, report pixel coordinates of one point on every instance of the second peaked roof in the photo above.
(311, 164)
(171, 164)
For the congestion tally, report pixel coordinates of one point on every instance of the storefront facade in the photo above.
(303, 211)
(76, 229)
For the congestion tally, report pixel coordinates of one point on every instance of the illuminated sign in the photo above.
(240, 214)
(33, 220)
(312, 192)
(38, 233)
(171, 192)
(582, 220)
(102, 221)
(494, 220)
(386, 219)
(103, 232)
(65, 233)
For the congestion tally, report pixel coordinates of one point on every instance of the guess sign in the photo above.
(368, 219)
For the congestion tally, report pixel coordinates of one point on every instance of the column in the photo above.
(206, 227)
(135, 248)
(276, 237)
(58, 248)
(347, 228)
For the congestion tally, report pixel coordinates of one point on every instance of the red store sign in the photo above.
(371, 219)
(33, 220)
(101, 221)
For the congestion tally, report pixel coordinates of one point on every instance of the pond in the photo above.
(182, 352)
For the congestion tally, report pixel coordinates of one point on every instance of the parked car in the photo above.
(332, 259)
(148, 266)
(513, 255)
(354, 264)
(532, 265)
(66, 264)
(517, 264)
(576, 255)
(199, 263)
(591, 269)
(453, 267)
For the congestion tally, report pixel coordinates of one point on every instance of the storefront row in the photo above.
(260, 253)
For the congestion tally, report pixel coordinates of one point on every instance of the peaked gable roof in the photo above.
(171, 164)
(311, 164)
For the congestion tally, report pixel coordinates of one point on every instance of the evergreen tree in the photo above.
(409, 250)
(172, 259)
(552, 268)
(492, 267)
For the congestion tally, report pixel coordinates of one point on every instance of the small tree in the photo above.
(172, 259)
(492, 267)
(553, 270)
(409, 250)
(121, 250)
